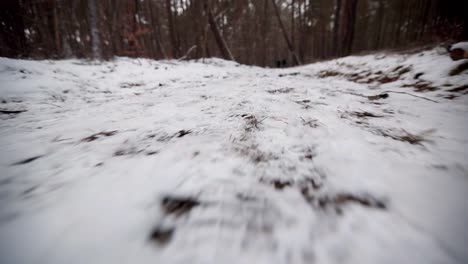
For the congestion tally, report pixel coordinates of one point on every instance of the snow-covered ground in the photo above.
(356, 160)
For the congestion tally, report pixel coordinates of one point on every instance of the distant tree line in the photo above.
(256, 32)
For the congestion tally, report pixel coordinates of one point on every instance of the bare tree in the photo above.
(348, 19)
(94, 29)
(306, 30)
(223, 48)
(336, 27)
(285, 34)
(170, 19)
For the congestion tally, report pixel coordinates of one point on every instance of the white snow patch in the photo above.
(277, 159)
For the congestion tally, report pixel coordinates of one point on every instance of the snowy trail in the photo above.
(190, 162)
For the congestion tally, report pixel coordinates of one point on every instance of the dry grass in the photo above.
(99, 135)
(281, 91)
(404, 136)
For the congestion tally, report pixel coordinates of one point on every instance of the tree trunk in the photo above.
(12, 37)
(156, 36)
(348, 21)
(285, 34)
(336, 28)
(94, 28)
(175, 48)
(380, 18)
(223, 48)
(264, 33)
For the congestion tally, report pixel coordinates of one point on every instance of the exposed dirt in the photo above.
(461, 89)
(178, 206)
(162, 236)
(459, 69)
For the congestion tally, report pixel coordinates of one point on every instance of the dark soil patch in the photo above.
(325, 74)
(161, 236)
(182, 133)
(451, 96)
(421, 86)
(378, 96)
(290, 74)
(460, 89)
(278, 184)
(387, 79)
(173, 205)
(459, 69)
(365, 114)
(26, 161)
(99, 135)
(417, 75)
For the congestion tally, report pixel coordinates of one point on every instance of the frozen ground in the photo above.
(357, 160)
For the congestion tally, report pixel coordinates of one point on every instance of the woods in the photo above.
(255, 32)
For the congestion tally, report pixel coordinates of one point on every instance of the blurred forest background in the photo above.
(256, 32)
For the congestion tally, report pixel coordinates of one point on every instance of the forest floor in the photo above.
(357, 160)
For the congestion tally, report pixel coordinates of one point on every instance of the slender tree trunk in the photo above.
(285, 34)
(58, 46)
(94, 28)
(293, 24)
(66, 51)
(379, 18)
(173, 39)
(336, 28)
(156, 26)
(223, 48)
(348, 21)
(265, 32)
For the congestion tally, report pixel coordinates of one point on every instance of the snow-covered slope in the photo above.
(357, 160)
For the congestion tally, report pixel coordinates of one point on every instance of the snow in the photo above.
(460, 45)
(286, 165)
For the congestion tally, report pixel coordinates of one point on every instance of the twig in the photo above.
(393, 92)
(51, 104)
(188, 53)
(7, 112)
(412, 95)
